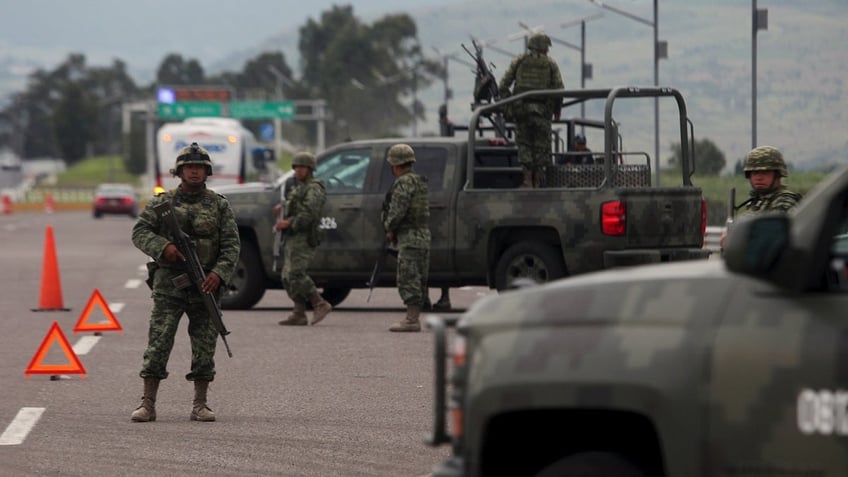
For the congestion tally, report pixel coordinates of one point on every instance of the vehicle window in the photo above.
(430, 162)
(344, 172)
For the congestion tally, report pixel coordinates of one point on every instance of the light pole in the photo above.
(585, 68)
(278, 123)
(445, 58)
(759, 22)
(660, 51)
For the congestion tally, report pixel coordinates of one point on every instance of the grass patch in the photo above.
(96, 170)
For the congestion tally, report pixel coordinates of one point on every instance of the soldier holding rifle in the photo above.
(208, 221)
(300, 225)
(406, 219)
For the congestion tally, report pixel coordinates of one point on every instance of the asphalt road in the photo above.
(343, 398)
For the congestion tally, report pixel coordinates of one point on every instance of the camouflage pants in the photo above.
(164, 321)
(533, 137)
(413, 269)
(298, 255)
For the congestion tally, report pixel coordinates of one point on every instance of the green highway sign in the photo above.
(262, 109)
(188, 110)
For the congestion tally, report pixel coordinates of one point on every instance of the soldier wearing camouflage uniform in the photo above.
(208, 219)
(406, 219)
(531, 71)
(764, 168)
(302, 235)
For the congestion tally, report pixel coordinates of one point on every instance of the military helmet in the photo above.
(765, 158)
(539, 42)
(304, 158)
(192, 154)
(400, 154)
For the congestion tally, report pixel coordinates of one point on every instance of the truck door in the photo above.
(344, 173)
(778, 400)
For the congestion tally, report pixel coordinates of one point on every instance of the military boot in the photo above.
(146, 412)
(320, 307)
(443, 304)
(200, 411)
(410, 322)
(297, 317)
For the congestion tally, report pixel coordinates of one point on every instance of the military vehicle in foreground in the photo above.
(735, 366)
(486, 231)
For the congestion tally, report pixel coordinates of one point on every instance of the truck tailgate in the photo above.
(663, 217)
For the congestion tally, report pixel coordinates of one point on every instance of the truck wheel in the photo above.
(534, 260)
(247, 285)
(335, 295)
(591, 464)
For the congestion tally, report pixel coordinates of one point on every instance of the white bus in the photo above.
(236, 155)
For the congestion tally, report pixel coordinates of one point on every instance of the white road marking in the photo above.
(133, 283)
(116, 307)
(84, 345)
(18, 429)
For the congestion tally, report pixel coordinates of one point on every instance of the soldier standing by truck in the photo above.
(764, 168)
(302, 235)
(406, 217)
(531, 71)
(209, 221)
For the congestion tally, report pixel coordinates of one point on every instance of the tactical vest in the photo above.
(533, 73)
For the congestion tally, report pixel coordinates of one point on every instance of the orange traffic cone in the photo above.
(49, 204)
(7, 204)
(51, 288)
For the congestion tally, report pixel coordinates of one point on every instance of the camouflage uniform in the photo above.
(303, 210)
(531, 71)
(767, 158)
(208, 220)
(406, 213)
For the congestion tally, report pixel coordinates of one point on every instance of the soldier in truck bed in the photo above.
(531, 71)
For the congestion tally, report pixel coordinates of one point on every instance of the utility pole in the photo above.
(759, 19)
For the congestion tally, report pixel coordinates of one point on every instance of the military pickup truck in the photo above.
(735, 366)
(486, 231)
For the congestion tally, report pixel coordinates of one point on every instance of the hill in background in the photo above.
(802, 63)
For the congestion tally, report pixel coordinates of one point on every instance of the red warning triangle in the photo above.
(55, 335)
(97, 299)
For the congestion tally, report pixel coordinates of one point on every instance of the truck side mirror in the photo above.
(755, 244)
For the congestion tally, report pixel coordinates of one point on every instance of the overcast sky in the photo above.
(142, 32)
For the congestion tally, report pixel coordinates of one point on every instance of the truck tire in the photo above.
(247, 285)
(335, 295)
(529, 259)
(591, 464)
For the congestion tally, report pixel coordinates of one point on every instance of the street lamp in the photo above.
(585, 68)
(660, 51)
(278, 123)
(445, 58)
(759, 22)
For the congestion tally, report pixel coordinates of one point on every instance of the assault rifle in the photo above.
(378, 267)
(279, 238)
(485, 85)
(196, 275)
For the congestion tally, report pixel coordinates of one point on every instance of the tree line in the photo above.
(366, 73)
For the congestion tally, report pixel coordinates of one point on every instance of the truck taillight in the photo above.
(457, 413)
(703, 216)
(613, 217)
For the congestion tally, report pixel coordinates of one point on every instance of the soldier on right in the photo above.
(532, 71)
(764, 168)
